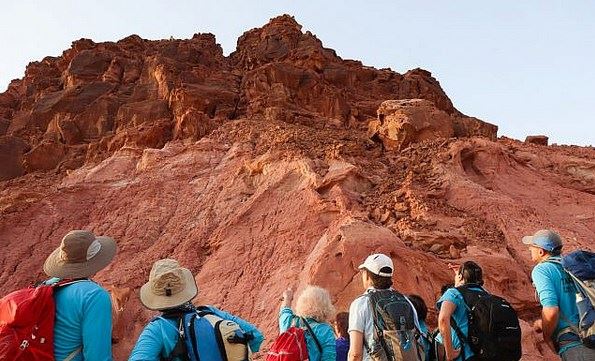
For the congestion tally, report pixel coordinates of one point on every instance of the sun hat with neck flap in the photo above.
(169, 286)
(81, 254)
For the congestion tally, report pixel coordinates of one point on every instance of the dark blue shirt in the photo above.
(342, 346)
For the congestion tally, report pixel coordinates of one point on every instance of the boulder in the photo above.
(11, 157)
(45, 156)
(4, 123)
(403, 122)
(87, 65)
(537, 139)
(465, 127)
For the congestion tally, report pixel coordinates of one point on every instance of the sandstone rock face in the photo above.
(537, 139)
(96, 90)
(256, 172)
(11, 157)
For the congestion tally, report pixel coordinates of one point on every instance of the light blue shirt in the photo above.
(323, 332)
(555, 288)
(460, 316)
(83, 319)
(161, 335)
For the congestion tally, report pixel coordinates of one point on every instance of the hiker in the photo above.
(422, 313)
(557, 295)
(183, 330)
(451, 304)
(83, 316)
(466, 309)
(313, 311)
(341, 325)
(68, 317)
(369, 311)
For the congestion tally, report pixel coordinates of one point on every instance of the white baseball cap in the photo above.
(375, 262)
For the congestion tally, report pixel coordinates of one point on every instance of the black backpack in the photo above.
(494, 330)
(394, 324)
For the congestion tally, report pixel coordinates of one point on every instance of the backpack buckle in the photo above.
(24, 344)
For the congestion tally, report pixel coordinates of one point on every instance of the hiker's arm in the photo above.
(285, 319)
(149, 345)
(549, 321)
(548, 299)
(287, 298)
(447, 308)
(97, 326)
(247, 327)
(356, 345)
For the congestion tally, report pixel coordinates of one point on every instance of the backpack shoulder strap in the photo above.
(73, 354)
(179, 351)
(554, 261)
(460, 335)
(313, 335)
(469, 295)
(202, 311)
(64, 283)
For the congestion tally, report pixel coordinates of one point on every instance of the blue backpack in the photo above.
(580, 265)
(204, 336)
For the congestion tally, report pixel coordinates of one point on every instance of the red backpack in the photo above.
(291, 344)
(27, 323)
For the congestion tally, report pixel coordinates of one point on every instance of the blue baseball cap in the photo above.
(544, 239)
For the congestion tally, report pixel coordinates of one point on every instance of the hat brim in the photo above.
(157, 302)
(381, 274)
(54, 266)
(528, 240)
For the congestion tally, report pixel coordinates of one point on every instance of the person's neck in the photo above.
(544, 258)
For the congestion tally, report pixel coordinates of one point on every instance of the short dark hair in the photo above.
(420, 307)
(380, 282)
(342, 323)
(471, 273)
(556, 251)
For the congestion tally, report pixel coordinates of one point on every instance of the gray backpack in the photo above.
(397, 336)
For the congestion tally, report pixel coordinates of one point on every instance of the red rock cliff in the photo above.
(279, 165)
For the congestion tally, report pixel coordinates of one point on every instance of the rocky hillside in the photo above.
(279, 165)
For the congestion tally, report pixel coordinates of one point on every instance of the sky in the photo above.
(526, 66)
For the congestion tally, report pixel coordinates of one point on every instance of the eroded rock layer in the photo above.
(279, 165)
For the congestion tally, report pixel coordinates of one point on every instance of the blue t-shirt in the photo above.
(342, 348)
(160, 336)
(323, 332)
(83, 319)
(460, 316)
(555, 288)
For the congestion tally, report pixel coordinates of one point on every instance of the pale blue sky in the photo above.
(526, 66)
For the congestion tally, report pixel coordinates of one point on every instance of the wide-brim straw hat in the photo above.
(169, 286)
(81, 254)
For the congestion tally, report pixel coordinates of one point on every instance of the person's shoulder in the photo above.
(160, 323)
(544, 269)
(359, 301)
(86, 288)
(324, 329)
(451, 294)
